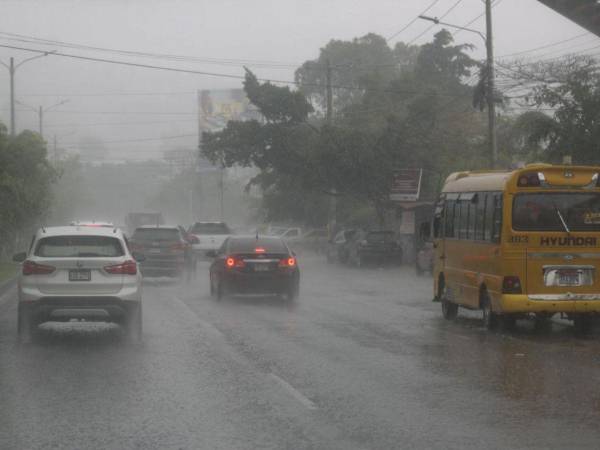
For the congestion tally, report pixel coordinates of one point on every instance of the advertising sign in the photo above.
(217, 107)
(406, 185)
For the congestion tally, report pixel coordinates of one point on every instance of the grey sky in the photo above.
(283, 31)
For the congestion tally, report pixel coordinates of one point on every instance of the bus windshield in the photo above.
(557, 211)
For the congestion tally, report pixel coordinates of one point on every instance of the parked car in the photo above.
(166, 251)
(315, 240)
(379, 247)
(209, 235)
(79, 272)
(338, 249)
(254, 265)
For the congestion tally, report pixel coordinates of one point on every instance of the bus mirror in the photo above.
(425, 232)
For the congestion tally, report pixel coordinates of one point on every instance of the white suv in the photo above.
(79, 272)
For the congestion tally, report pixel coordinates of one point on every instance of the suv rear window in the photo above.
(210, 228)
(156, 234)
(79, 247)
(249, 245)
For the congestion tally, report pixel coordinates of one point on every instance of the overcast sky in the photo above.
(283, 32)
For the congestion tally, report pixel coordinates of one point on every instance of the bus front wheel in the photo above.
(449, 309)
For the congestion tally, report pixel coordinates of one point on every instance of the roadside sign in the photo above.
(406, 185)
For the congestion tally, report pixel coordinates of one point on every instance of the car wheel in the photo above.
(293, 292)
(449, 309)
(490, 318)
(134, 324)
(219, 291)
(509, 322)
(25, 324)
(212, 287)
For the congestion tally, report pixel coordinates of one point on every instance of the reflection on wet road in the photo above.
(362, 360)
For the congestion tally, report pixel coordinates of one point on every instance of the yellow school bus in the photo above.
(521, 242)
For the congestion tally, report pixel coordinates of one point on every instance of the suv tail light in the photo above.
(32, 268)
(129, 267)
(511, 285)
(232, 262)
(288, 262)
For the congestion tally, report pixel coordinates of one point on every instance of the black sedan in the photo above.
(256, 265)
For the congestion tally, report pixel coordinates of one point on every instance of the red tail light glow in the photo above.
(259, 250)
(129, 267)
(289, 262)
(32, 268)
(232, 262)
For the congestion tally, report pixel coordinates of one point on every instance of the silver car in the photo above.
(77, 272)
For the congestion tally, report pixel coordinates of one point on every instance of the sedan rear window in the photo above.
(79, 247)
(210, 228)
(249, 245)
(156, 234)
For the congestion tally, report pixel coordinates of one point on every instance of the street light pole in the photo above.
(40, 112)
(11, 71)
(12, 67)
(491, 83)
(488, 40)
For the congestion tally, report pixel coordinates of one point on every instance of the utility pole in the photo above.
(11, 70)
(491, 85)
(41, 118)
(12, 67)
(329, 116)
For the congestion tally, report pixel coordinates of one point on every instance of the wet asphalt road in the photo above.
(363, 360)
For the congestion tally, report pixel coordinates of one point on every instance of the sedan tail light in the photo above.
(232, 262)
(32, 268)
(287, 262)
(129, 267)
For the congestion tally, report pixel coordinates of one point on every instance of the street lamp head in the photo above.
(431, 19)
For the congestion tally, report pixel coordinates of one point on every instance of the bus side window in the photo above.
(449, 218)
(463, 230)
(497, 217)
(473, 217)
(489, 217)
(480, 217)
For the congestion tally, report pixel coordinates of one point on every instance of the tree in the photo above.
(25, 179)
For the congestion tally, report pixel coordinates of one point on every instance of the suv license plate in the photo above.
(80, 275)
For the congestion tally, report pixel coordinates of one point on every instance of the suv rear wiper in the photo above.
(562, 219)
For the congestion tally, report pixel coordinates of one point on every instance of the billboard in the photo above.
(406, 185)
(217, 107)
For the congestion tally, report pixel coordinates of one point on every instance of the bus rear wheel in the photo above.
(490, 318)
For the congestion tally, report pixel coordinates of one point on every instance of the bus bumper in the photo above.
(551, 303)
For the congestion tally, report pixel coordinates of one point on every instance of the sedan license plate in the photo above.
(154, 251)
(80, 275)
(262, 267)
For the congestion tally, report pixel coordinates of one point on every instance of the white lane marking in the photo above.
(293, 392)
(207, 326)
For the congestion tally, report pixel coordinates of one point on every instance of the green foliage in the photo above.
(408, 108)
(574, 128)
(25, 178)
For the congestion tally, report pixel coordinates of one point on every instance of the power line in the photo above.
(434, 25)
(223, 61)
(412, 21)
(472, 21)
(544, 46)
(131, 140)
(216, 74)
